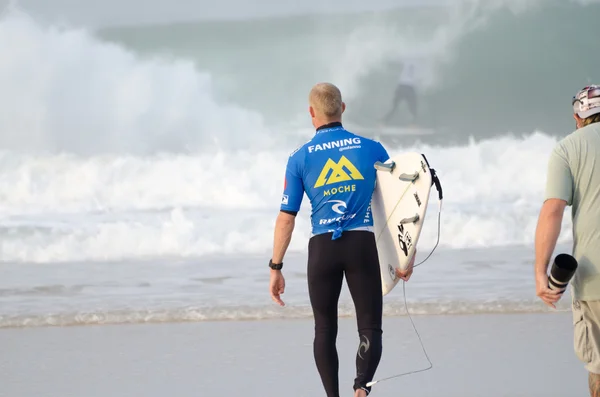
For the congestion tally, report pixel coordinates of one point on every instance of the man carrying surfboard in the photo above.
(574, 179)
(336, 171)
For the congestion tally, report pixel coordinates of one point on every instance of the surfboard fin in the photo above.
(389, 167)
(409, 177)
(412, 219)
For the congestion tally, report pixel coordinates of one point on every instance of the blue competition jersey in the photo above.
(336, 170)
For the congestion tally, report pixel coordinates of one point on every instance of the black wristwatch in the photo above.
(275, 266)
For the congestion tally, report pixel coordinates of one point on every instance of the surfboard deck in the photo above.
(399, 206)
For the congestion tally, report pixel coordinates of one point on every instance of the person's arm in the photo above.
(382, 154)
(559, 194)
(291, 200)
(284, 227)
(547, 232)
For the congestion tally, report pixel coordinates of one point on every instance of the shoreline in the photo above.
(303, 313)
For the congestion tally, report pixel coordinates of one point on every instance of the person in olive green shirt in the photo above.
(574, 179)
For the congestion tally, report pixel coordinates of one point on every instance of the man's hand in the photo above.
(284, 227)
(405, 274)
(277, 286)
(546, 235)
(549, 296)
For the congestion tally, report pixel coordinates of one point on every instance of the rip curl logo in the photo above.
(336, 205)
(363, 344)
(334, 172)
(339, 207)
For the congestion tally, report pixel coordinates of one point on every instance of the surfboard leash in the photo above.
(369, 384)
(438, 236)
(436, 181)
(410, 317)
(438, 186)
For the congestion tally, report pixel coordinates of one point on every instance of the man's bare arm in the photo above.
(546, 236)
(284, 227)
(547, 232)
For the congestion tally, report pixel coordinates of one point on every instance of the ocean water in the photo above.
(141, 166)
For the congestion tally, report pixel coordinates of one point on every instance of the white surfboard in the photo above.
(399, 205)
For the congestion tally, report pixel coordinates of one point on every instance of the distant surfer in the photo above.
(335, 170)
(406, 91)
(574, 179)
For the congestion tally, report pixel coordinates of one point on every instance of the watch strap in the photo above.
(275, 266)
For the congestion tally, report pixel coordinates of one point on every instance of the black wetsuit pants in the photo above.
(354, 255)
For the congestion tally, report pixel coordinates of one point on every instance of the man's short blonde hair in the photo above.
(326, 100)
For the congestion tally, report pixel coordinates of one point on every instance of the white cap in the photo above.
(587, 101)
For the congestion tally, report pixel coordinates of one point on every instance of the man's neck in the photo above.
(330, 124)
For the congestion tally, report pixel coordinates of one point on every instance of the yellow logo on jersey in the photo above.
(336, 172)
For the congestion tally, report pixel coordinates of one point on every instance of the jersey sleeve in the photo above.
(293, 187)
(559, 183)
(382, 154)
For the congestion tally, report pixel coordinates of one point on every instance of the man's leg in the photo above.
(325, 276)
(411, 99)
(395, 102)
(364, 282)
(586, 319)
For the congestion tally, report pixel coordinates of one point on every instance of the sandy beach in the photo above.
(473, 355)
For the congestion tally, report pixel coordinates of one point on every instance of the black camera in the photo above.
(562, 271)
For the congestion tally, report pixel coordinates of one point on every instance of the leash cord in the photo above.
(410, 317)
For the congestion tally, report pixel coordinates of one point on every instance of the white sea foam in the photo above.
(67, 208)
